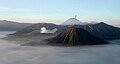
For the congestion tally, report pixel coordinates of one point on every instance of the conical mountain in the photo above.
(72, 21)
(76, 36)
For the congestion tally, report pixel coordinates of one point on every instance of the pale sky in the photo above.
(57, 11)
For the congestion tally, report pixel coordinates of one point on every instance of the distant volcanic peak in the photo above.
(76, 36)
(72, 21)
(102, 23)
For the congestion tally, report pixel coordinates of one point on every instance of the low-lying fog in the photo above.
(12, 53)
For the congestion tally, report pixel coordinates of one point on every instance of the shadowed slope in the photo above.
(104, 31)
(76, 36)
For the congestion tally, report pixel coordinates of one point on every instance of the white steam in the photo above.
(44, 30)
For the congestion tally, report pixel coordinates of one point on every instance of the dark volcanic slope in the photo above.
(103, 30)
(76, 36)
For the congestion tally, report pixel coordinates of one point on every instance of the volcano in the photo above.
(72, 21)
(76, 36)
(34, 27)
(103, 31)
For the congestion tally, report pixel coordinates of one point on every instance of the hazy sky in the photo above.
(60, 10)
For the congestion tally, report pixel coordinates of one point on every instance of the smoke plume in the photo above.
(44, 30)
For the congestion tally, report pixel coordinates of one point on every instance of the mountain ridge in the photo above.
(101, 30)
(6, 25)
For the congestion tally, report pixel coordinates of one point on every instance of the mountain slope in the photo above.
(103, 31)
(76, 36)
(12, 26)
(35, 27)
